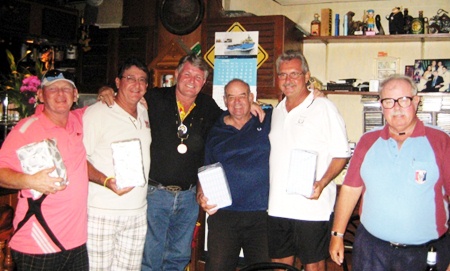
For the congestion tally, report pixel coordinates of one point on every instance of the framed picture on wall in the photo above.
(409, 71)
(431, 75)
(386, 66)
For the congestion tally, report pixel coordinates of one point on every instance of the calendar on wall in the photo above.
(235, 57)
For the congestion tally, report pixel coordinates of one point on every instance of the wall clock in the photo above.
(181, 17)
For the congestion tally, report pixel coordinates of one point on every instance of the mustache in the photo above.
(397, 113)
(289, 85)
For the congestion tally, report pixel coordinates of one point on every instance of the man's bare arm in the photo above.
(40, 181)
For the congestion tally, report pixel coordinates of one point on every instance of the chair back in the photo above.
(269, 266)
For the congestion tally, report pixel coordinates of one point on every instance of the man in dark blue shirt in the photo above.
(240, 142)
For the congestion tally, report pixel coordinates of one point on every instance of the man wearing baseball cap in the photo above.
(50, 231)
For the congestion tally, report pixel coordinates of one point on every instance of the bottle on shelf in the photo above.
(336, 25)
(426, 26)
(345, 26)
(431, 260)
(417, 24)
(315, 25)
(408, 20)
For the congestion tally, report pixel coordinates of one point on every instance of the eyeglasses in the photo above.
(292, 75)
(389, 103)
(133, 80)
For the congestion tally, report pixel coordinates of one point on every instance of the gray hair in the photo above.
(290, 55)
(399, 77)
(196, 61)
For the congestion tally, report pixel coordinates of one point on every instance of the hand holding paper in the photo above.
(203, 202)
(112, 184)
(43, 183)
(215, 186)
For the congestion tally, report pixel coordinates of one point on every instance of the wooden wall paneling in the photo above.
(166, 61)
(139, 13)
(137, 42)
(164, 37)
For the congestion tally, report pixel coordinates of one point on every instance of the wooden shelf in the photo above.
(378, 38)
(361, 93)
(367, 93)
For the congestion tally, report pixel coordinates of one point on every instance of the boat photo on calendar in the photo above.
(236, 43)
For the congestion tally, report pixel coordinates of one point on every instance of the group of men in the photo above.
(150, 227)
(295, 225)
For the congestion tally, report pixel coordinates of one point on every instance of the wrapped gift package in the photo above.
(128, 163)
(215, 185)
(40, 155)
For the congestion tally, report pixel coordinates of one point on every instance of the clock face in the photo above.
(181, 17)
(416, 26)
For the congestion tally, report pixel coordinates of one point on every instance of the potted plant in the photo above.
(20, 86)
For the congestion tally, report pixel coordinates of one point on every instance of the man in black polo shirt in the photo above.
(180, 118)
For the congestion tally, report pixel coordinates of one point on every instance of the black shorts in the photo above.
(308, 240)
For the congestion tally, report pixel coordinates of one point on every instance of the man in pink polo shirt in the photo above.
(50, 231)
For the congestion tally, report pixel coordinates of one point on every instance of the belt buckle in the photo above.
(173, 188)
(396, 245)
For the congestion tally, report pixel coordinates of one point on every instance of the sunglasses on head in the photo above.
(57, 74)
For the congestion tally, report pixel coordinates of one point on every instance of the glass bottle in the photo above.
(5, 104)
(417, 24)
(408, 20)
(426, 26)
(336, 25)
(431, 260)
(315, 25)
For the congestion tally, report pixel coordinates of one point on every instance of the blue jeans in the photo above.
(171, 218)
(373, 254)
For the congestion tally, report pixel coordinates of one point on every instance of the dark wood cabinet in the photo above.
(276, 34)
(30, 20)
(109, 48)
(92, 72)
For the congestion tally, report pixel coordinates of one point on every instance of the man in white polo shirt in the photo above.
(299, 225)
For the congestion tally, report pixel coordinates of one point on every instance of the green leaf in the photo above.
(11, 61)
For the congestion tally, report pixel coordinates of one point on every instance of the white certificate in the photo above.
(215, 185)
(128, 163)
(302, 172)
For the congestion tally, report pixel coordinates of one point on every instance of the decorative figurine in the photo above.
(379, 26)
(370, 22)
(407, 21)
(354, 27)
(440, 23)
(396, 22)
